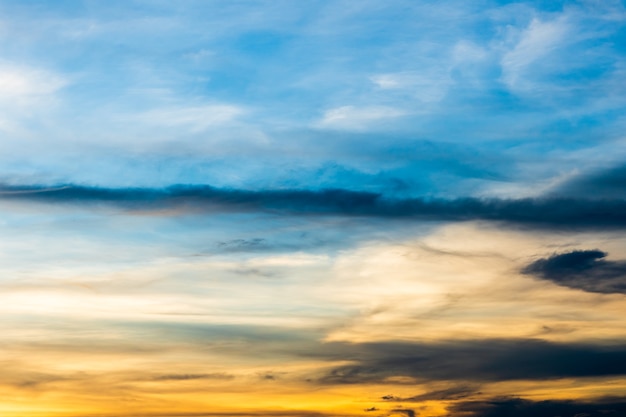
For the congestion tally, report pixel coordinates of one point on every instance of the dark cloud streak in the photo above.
(452, 393)
(472, 360)
(189, 377)
(538, 212)
(517, 407)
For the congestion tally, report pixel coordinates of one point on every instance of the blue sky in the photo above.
(426, 98)
(321, 208)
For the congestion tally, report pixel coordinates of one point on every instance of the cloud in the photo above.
(518, 407)
(188, 377)
(21, 82)
(244, 245)
(487, 360)
(215, 413)
(404, 411)
(428, 87)
(26, 92)
(539, 212)
(358, 118)
(537, 42)
(196, 119)
(582, 269)
(601, 184)
(452, 393)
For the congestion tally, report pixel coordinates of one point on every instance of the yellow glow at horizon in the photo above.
(460, 282)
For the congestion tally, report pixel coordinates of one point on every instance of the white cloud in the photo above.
(196, 118)
(428, 86)
(25, 92)
(432, 81)
(22, 82)
(437, 287)
(537, 42)
(351, 117)
(465, 52)
(389, 81)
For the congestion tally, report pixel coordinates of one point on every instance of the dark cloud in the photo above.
(243, 245)
(465, 363)
(452, 393)
(582, 269)
(30, 380)
(472, 360)
(405, 411)
(540, 212)
(604, 184)
(517, 407)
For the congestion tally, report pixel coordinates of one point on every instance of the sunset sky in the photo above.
(320, 208)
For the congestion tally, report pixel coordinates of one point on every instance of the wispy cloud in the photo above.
(358, 118)
(19, 83)
(27, 94)
(195, 119)
(537, 42)
(426, 87)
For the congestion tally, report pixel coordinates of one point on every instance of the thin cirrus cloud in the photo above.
(19, 82)
(27, 94)
(536, 43)
(351, 117)
(196, 119)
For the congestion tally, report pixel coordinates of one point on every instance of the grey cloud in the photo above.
(243, 245)
(465, 363)
(452, 393)
(517, 407)
(539, 212)
(604, 184)
(188, 377)
(582, 269)
(405, 411)
(472, 360)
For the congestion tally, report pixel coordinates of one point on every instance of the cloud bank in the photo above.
(537, 212)
(518, 407)
(486, 360)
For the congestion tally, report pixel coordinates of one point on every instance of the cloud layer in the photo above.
(539, 212)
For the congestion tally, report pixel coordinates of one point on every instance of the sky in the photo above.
(330, 208)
